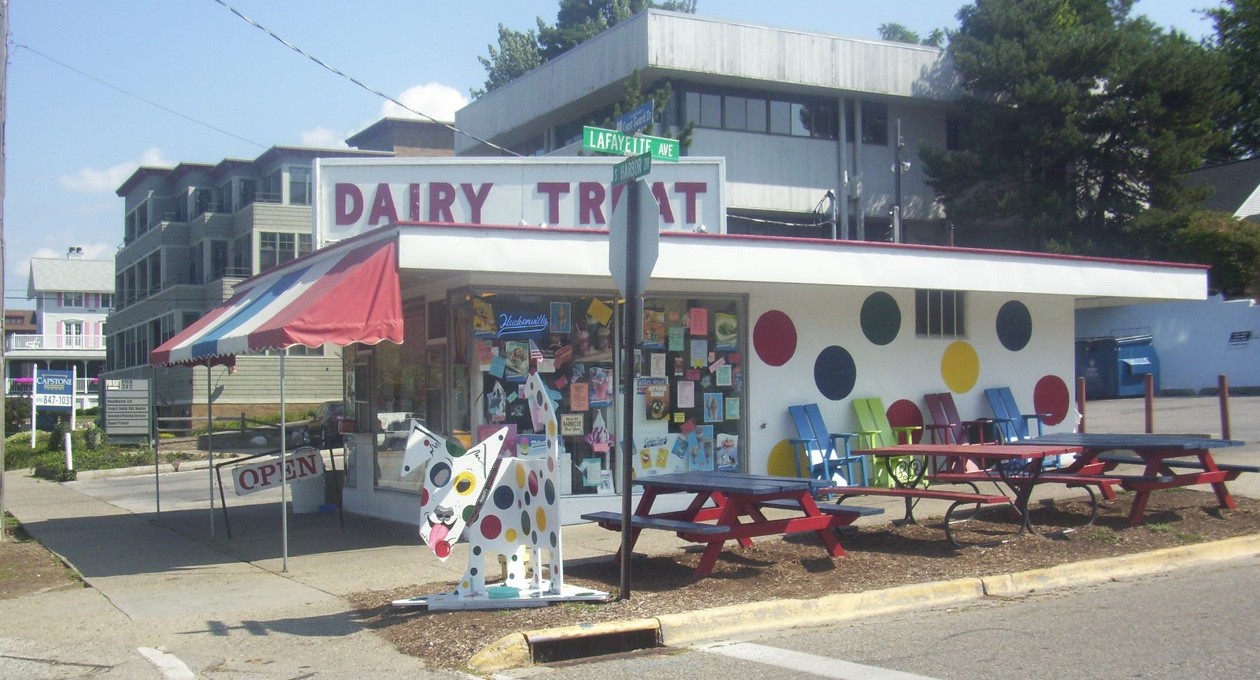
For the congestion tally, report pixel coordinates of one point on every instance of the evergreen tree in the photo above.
(1079, 117)
(1238, 40)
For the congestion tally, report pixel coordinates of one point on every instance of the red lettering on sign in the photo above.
(306, 465)
(554, 191)
(413, 202)
(476, 199)
(691, 190)
(441, 198)
(383, 210)
(248, 479)
(348, 202)
(267, 471)
(590, 203)
(662, 202)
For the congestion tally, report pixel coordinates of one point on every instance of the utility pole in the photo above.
(4, 107)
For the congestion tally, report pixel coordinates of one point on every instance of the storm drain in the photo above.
(551, 649)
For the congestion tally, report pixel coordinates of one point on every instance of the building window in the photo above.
(299, 185)
(940, 313)
(72, 333)
(72, 299)
(107, 300)
(278, 247)
(875, 123)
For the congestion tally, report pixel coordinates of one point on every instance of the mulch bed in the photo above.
(796, 567)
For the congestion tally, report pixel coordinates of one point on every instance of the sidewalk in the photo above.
(228, 604)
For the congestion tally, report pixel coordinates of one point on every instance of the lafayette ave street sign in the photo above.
(611, 141)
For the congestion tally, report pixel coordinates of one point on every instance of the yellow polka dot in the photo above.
(510, 535)
(960, 367)
(780, 463)
(540, 519)
(520, 475)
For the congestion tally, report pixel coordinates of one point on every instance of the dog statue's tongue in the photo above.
(437, 541)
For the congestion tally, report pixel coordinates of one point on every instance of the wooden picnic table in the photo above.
(1159, 454)
(730, 506)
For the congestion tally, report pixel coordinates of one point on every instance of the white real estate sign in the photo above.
(355, 195)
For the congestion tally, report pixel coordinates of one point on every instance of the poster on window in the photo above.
(727, 451)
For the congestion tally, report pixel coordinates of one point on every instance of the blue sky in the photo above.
(72, 137)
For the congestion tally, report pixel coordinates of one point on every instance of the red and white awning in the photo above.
(344, 294)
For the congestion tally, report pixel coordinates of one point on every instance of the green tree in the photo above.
(1079, 119)
(576, 21)
(1229, 246)
(899, 33)
(1238, 40)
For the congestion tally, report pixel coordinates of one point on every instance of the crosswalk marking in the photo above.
(813, 664)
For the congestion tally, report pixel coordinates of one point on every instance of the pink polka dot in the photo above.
(774, 338)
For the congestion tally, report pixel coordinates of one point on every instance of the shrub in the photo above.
(52, 468)
(17, 415)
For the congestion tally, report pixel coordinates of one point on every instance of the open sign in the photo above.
(303, 463)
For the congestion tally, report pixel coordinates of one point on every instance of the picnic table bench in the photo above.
(963, 508)
(728, 506)
(1159, 454)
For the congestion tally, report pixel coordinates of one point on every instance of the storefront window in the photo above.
(689, 393)
(402, 379)
(687, 401)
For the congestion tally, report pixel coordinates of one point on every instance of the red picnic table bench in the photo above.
(728, 506)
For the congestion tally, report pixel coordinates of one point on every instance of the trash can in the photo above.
(308, 494)
(1116, 366)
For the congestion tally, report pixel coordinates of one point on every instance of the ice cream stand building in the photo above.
(469, 273)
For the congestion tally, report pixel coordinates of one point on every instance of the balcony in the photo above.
(37, 343)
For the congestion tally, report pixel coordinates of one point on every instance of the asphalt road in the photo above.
(1191, 623)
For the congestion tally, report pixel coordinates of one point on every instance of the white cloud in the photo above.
(324, 138)
(433, 99)
(93, 180)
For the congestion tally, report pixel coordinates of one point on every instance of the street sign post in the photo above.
(632, 168)
(633, 245)
(602, 140)
(637, 119)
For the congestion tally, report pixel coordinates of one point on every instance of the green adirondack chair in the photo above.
(875, 431)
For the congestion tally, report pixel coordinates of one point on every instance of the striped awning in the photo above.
(346, 293)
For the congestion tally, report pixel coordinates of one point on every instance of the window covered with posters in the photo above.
(688, 391)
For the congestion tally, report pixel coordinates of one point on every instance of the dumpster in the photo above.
(1116, 366)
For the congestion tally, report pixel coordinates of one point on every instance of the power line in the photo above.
(356, 81)
(171, 111)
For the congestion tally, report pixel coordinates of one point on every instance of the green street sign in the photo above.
(632, 168)
(601, 140)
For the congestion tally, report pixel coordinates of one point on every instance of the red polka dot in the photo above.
(533, 483)
(491, 527)
(774, 338)
(1051, 396)
(904, 413)
(442, 549)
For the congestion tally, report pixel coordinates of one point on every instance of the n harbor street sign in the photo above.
(602, 140)
(632, 168)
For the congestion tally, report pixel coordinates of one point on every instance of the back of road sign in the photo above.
(646, 234)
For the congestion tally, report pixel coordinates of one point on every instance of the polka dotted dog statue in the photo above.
(506, 507)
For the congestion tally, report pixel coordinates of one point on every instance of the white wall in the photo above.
(1192, 339)
(906, 368)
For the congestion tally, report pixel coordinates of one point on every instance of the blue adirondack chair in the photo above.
(1012, 424)
(819, 449)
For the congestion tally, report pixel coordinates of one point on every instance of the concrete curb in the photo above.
(685, 628)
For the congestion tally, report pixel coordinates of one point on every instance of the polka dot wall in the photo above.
(776, 342)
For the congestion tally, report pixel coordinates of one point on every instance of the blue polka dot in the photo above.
(835, 373)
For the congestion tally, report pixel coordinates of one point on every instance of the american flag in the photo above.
(535, 354)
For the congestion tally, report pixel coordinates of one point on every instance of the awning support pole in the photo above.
(284, 476)
(210, 438)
